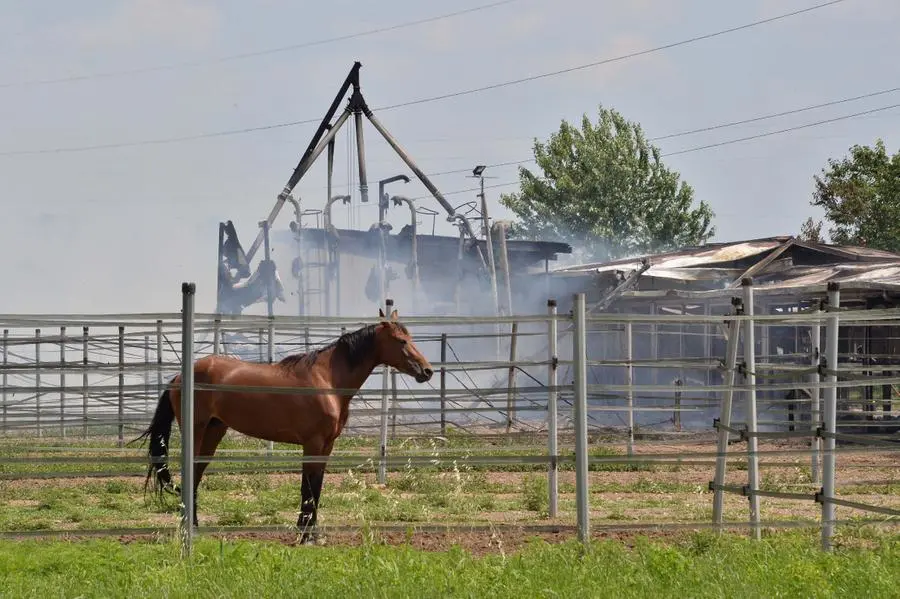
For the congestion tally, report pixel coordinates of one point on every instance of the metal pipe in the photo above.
(5, 348)
(579, 356)
(84, 380)
(751, 417)
(37, 379)
(731, 350)
(361, 155)
(298, 238)
(383, 201)
(62, 381)
(504, 264)
(830, 415)
(629, 380)
(187, 417)
(511, 380)
(385, 407)
(424, 179)
(414, 258)
(121, 413)
(270, 269)
(282, 197)
(217, 336)
(815, 336)
(552, 420)
(443, 384)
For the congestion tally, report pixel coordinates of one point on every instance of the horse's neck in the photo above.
(347, 376)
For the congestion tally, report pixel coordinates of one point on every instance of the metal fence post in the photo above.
(393, 404)
(270, 356)
(830, 415)
(4, 381)
(579, 355)
(146, 374)
(385, 407)
(62, 381)
(187, 417)
(443, 384)
(815, 350)
(159, 358)
(733, 331)
(37, 381)
(121, 414)
(552, 420)
(752, 439)
(629, 380)
(217, 335)
(85, 331)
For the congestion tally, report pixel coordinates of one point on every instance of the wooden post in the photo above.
(511, 382)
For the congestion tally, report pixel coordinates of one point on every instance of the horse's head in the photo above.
(398, 350)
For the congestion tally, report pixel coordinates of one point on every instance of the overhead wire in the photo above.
(435, 98)
(254, 53)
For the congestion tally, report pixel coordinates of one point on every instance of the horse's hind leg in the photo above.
(205, 446)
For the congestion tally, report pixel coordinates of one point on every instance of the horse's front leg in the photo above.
(311, 490)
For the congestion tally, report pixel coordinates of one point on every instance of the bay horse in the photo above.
(311, 419)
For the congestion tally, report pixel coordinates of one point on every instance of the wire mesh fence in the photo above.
(687, 424)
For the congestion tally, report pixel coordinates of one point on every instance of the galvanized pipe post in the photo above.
(629, 380)
(187, 417)
(146, 374)
(443, 384)
(5, 348)
(385, 407)
(62, 381)
(217, 336)
(815, 350)
(552, 423)
(511, 379)
(159, 358)
(733, 331)
(85, 332)
(121, 413)
(752, 427)
(830, 413)
(579, 351)
(37, 381)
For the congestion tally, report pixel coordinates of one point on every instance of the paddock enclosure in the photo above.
(554, 423)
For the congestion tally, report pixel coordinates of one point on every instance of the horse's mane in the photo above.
(355, 346)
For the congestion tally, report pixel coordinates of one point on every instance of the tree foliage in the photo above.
(604, 189)
(811, 231)
(861, 197)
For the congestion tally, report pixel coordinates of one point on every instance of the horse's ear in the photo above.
(394, 315)
(380, 313)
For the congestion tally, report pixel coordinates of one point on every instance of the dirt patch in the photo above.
(501, 540)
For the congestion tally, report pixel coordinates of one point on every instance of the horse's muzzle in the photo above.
(424, 375)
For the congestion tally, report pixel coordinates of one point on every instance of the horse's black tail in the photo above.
(159, 431)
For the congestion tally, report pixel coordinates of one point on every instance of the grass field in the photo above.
(70, 496)
(697, 565)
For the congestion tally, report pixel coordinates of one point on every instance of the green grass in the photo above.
(784, 565)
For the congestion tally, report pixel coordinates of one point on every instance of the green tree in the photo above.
(604, 189)
(861, 197)
(811, 230)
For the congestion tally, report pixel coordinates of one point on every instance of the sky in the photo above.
(117, 228)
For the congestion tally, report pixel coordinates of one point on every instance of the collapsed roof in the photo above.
(782, 265)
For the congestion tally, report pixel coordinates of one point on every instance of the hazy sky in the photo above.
(118, 229)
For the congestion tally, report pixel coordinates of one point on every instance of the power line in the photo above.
(428, 99)
(786, 130)
(253, 54)
(695, 148)
(740, 122)
(610, 60)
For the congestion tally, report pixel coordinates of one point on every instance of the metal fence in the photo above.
(574, 376)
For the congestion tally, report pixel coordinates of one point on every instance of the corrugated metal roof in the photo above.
(709, 269)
